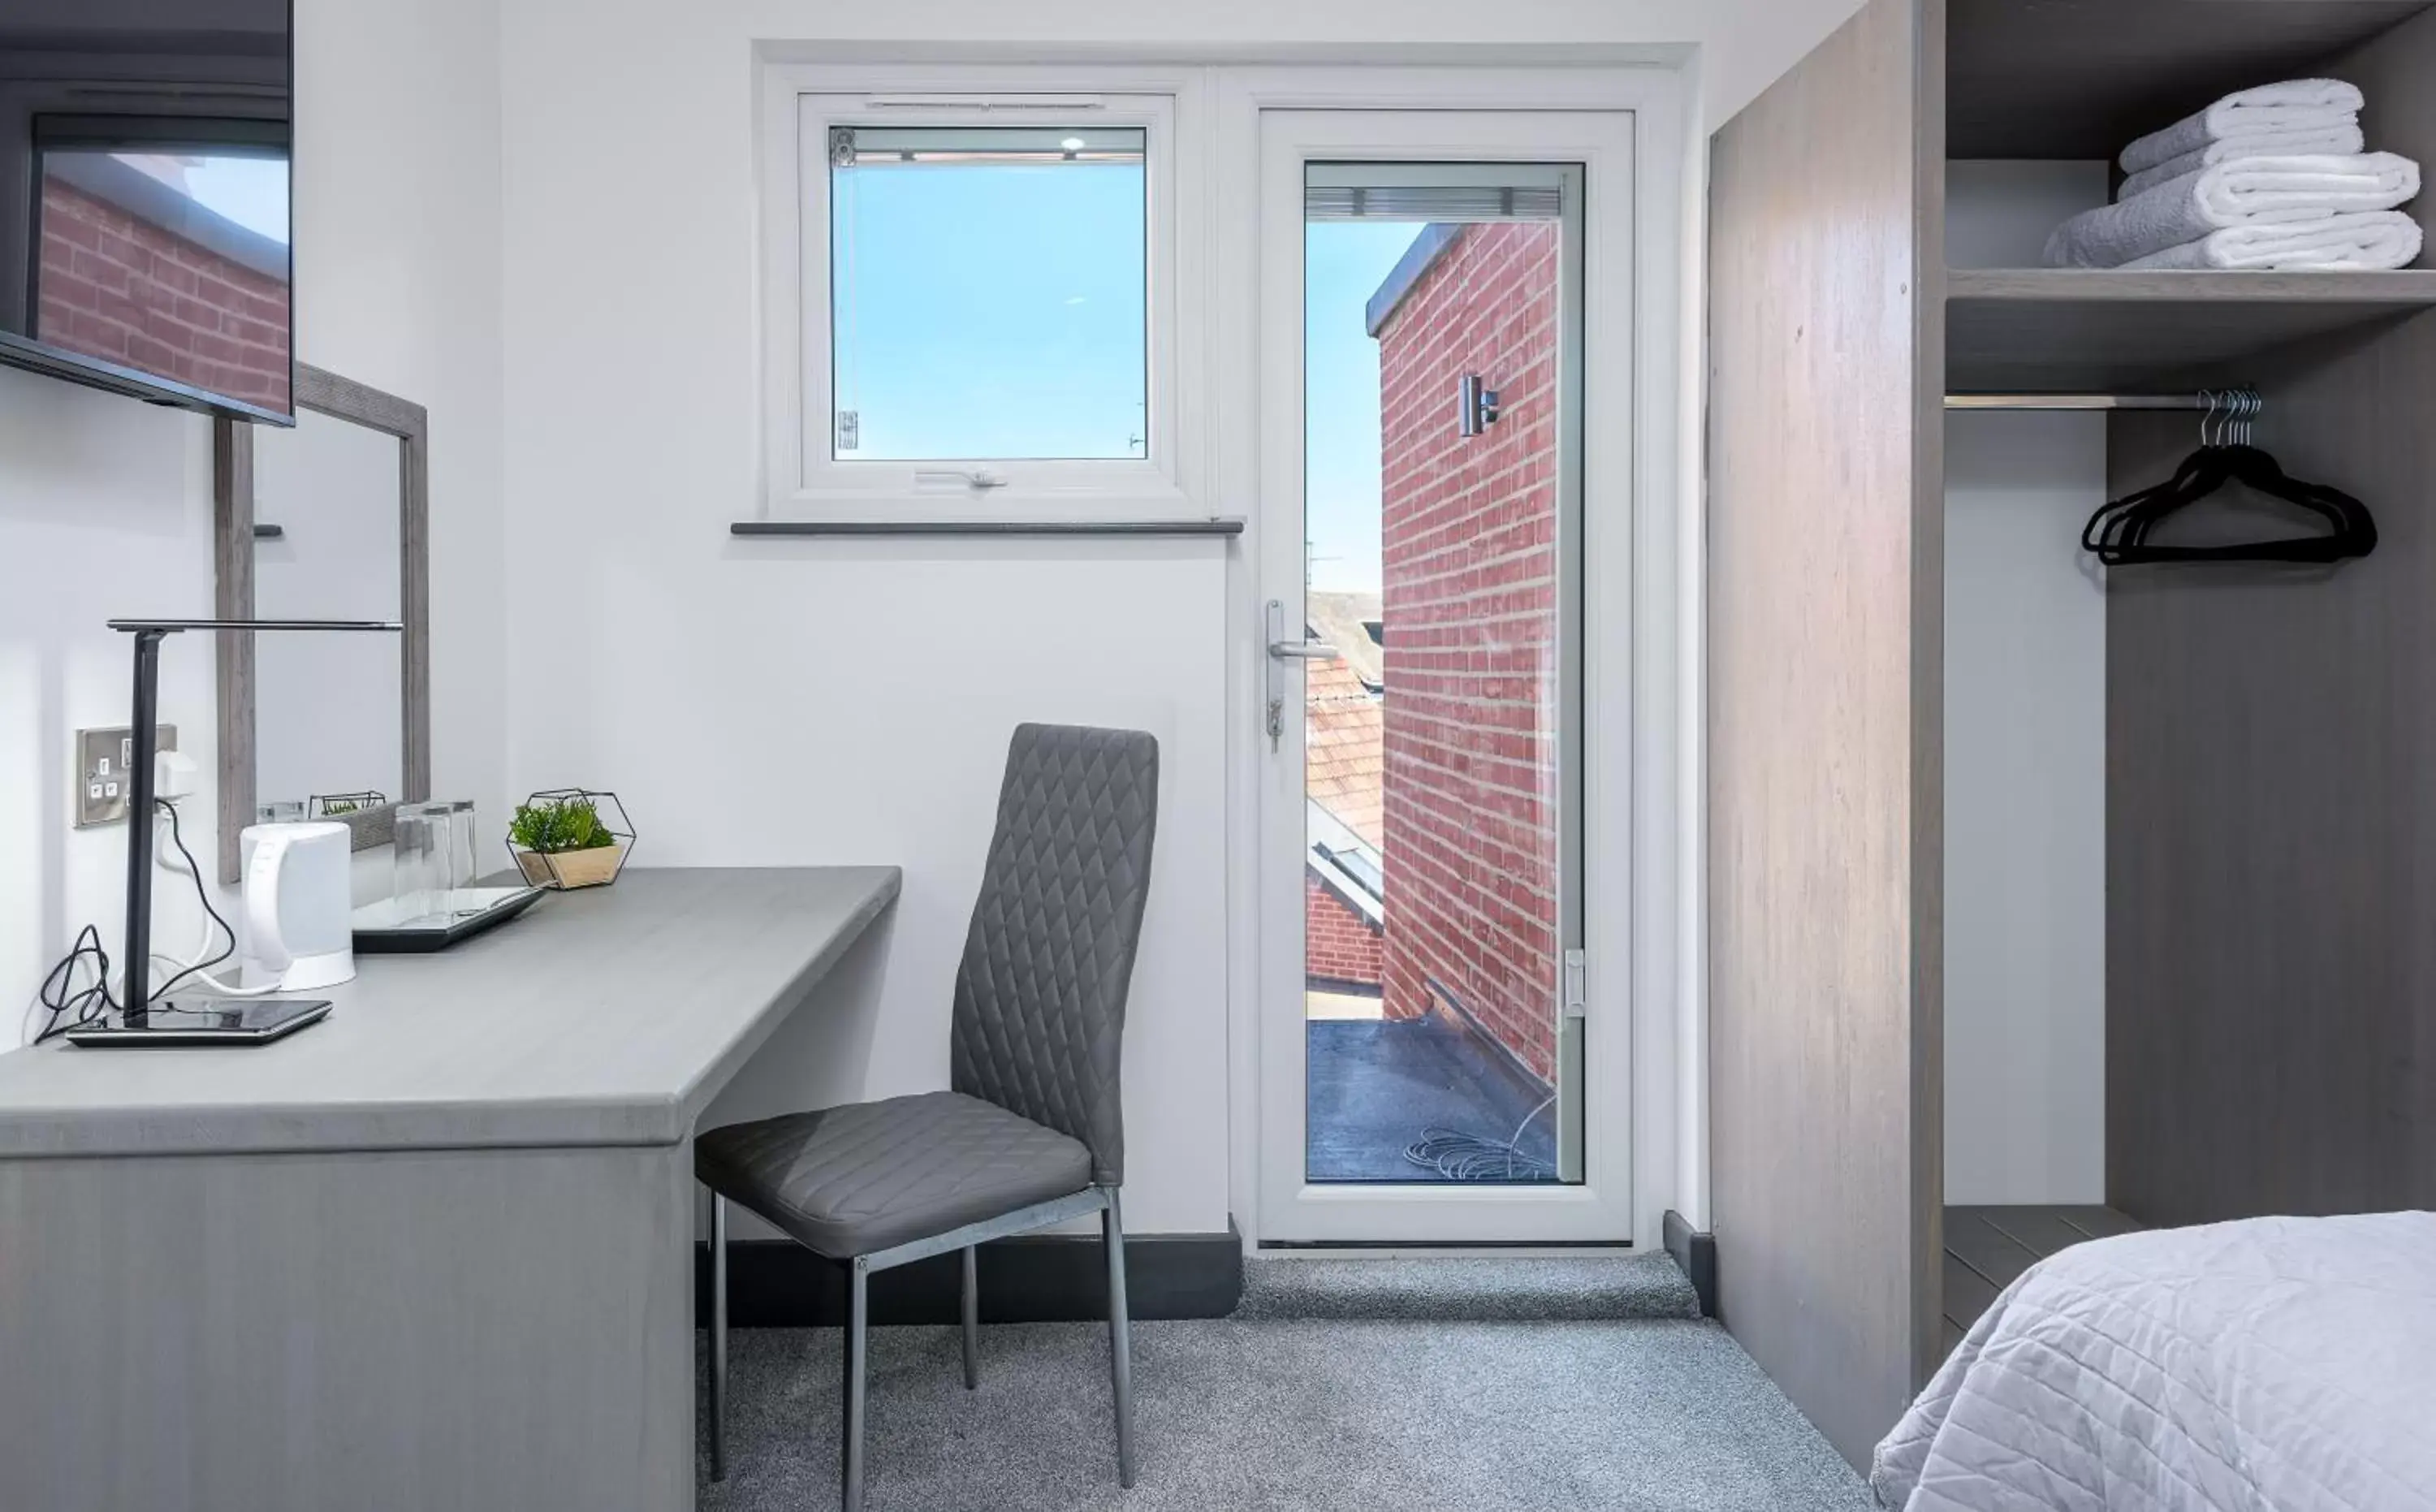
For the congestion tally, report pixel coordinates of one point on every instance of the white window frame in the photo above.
(1593, 654)
(1653, 831)
(801, 477)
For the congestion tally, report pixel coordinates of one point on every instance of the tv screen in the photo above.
(143, 199)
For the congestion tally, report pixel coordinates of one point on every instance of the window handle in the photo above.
(973, 478)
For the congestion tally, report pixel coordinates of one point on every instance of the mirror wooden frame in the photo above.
(233, 536)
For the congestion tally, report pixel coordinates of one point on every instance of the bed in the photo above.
(2282, 1363)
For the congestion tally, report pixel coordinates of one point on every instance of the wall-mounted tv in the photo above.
(145, 225)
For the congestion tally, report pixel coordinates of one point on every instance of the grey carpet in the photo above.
(1316, 1415)
(1584, 1289)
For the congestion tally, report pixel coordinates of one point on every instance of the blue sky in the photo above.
(988, 312)
(1344, 264)
(248, 188)
(251, 191)
(1034, 347)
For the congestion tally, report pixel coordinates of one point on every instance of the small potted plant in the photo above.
(562, 839)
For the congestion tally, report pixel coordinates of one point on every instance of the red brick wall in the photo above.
(1468, 537)
(1338, 943)
(123, 289)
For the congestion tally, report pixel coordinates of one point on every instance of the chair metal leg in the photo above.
(857, 1321)
(1120, 1345)
(718, 1337)
(972, 1320)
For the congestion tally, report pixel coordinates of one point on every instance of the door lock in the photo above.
(1283, 653)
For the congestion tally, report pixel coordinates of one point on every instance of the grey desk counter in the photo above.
(603, 1016)
(435, 1252)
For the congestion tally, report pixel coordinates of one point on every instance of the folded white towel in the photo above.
(2246, 191)
(2309, 142)
(2301, 188)
(2295, 105)
(2369, 241)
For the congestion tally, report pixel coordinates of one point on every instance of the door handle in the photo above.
(1305, 651)
(1283, 652)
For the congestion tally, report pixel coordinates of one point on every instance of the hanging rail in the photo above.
(2209, 400)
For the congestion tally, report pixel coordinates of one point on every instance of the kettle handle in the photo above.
(266, 944)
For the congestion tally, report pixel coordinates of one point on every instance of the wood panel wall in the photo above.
(1825, 684)
(2398, 113)
(2272, 797)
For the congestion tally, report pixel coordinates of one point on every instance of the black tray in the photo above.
(374, 937)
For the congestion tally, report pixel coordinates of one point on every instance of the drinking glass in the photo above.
(462, 865)
(420, 859)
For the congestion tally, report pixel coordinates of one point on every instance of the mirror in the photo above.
(326, 708)
(325, 520)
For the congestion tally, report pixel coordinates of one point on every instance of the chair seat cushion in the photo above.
(853, 1180)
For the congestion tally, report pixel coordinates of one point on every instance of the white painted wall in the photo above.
(2025, 754)
(762, 702)
(777, 702)
(105, 509)
(883, 681)
(105, 503)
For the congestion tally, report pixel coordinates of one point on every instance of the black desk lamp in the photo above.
(149, 635)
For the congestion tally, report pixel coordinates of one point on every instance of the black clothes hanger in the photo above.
(2110, 529)
(2125, 520)
(2117, 534)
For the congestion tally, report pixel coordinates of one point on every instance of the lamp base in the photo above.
(203, 1021)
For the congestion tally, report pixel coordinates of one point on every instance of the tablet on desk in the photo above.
(203, 1021)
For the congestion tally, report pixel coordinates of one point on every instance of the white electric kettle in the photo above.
(296, 901)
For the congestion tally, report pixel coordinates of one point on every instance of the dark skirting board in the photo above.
(1695, 1255)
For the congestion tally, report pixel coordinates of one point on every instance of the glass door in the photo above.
(1424, 689)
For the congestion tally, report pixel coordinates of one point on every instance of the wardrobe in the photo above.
(2263, 738)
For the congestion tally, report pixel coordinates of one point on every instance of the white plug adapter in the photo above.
(174, 775)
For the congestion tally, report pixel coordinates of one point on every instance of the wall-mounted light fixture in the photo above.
(1476, 406)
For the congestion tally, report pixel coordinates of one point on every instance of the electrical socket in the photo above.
(102, 757)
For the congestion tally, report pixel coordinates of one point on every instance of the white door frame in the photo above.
(1633, 818)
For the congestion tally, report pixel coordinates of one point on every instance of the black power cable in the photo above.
(70, 1006)
(201, 896)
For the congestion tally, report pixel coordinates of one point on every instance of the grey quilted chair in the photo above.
(1033, 1132)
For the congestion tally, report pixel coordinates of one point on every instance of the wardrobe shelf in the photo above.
(2077, 78)
(2069, 328)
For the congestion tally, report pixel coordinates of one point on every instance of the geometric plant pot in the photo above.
(566, 869)
(597, 867)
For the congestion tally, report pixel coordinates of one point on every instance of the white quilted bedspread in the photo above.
(2277, 1364)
